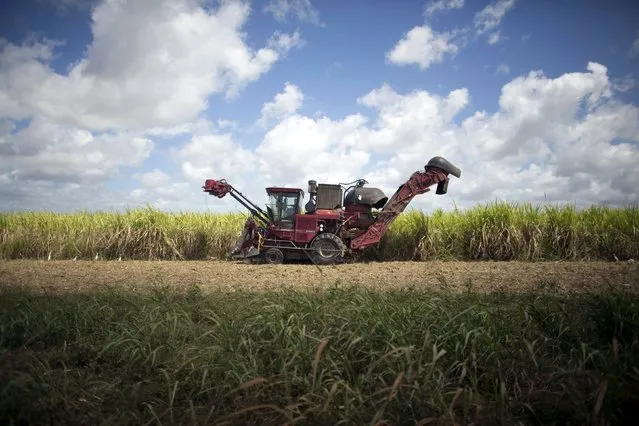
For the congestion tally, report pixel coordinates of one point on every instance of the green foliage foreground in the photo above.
(348, 356)
(497, 231)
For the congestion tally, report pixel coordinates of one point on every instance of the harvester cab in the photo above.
(338, 219)
(283, 205)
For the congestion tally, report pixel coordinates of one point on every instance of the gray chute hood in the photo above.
(371, 197)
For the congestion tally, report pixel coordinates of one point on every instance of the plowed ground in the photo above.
(69, 276)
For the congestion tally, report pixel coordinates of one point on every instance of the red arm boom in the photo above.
(436, 172)
(220, 188)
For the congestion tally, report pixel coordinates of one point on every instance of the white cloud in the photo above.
(284, 104)
(490, 17)
(435, 6)
(153, 178)
(57, 167)
(158, 189)
(56, 196)
(551, 124)
(422, 46)
(209, 154)
(566, 139)
(176, 55)
(302, 9)
(44, 151)
(147, 73)
(301, 148)
(410, 120)
(227, 124)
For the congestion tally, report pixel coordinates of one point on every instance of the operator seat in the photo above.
(288, 217)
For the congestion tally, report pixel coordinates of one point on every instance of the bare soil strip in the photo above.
(69, 276)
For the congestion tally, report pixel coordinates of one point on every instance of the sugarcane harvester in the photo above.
(335, 222)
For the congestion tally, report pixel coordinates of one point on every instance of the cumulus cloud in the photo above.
(283, 104)
(176, 54)
(545, 130)
(422, 46)
(564, 139)
(64, 135)
(153, 178)
(406, 121)
(48, 151)
(157, 189)
(302, 9)
(58, 197)
(147, 73)
(300, 148)
(210, 153)
(56, 167)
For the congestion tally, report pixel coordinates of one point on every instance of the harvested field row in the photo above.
(70, 276)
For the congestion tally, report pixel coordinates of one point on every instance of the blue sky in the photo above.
(333, 61)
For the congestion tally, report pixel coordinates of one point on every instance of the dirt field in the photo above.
(72, 276)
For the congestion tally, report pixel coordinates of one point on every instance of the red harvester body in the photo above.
(333, 223)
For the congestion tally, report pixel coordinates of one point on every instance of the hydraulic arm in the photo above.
(220, 188)
(436, 172)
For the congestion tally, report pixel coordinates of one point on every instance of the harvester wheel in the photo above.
(327, 248)
(274, 256)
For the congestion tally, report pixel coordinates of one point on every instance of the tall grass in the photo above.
(498, 231)
(134, 234)
(345, 356)
(504, 231)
